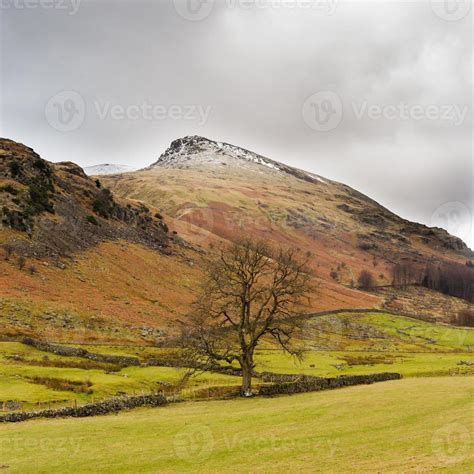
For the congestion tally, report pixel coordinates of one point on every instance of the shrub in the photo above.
(98, 184)
(39, 198)
(158, 216)
(92, 220)
(103, 205)
(41, 165)
(15, 168)
(334, 275)
(366, 280)
(32, 270)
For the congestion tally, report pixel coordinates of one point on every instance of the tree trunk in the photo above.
(246, 390)
(247, 369)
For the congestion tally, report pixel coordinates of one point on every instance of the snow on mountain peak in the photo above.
(196, 150)
(107, 168)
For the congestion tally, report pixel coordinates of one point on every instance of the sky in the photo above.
(376, 94)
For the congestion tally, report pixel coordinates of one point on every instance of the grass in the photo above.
(411, 425)
(339, 344)
(331, 364)
(19, 381)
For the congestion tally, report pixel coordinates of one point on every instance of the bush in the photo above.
(92, 220)
(98, 184)
(39, 199)
(41, 165)
(15, 168)
(366, 280)
(32, 269)
(103, 204)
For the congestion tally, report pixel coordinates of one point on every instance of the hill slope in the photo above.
(81, 263)
(216, 191)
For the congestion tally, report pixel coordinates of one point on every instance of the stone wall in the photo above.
(92, 409)
(287, 384)
(70, 351)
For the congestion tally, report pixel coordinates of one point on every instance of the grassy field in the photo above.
(16, 378)
(412, 425)
(337, 344)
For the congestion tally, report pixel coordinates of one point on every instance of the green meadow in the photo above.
(411, 425)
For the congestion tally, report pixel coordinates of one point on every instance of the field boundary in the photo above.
(113, 405)
(289, 384)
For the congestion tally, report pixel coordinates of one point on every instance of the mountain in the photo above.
(225, 190)
(105, 169)
(120, 260)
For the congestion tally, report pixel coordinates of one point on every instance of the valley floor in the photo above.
(411, 425)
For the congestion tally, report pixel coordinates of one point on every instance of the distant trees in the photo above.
(465, 317)
(405, 274)
(251, 291)
(366, 280)
(450, 278)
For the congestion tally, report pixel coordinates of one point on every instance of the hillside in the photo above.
(217, 191)
(80, 263)
(77, 262)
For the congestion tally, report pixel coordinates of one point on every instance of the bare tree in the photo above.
(251, 292)
(366, 280)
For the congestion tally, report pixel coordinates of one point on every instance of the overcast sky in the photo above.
(377, 95)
